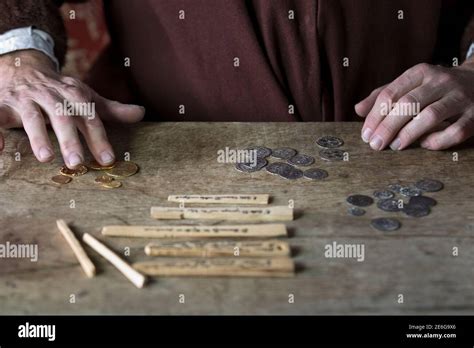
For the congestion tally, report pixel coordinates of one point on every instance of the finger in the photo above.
(409, 80)
(429, 117)
(88, 121)
(96, 138)
(403, 112)
(363, 107)
(9, 118)
(65, 129)
(35, 127)
(114, 111)
(455, 134)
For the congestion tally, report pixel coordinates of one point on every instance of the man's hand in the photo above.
(31, 93)
(440, 94)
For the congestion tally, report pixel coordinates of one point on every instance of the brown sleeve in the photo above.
(42, 14)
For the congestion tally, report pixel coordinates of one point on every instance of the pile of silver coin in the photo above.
(417, 205)
(289, 161)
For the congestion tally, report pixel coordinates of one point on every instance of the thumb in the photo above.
(113, 111)
(363, 107)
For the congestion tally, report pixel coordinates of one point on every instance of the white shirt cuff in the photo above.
(28, 38)
(470, 51)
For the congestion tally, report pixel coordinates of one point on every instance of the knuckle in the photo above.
(443, 78)
(423, 68)
(458, 133)
(71, 145)
(460, 95)
(432, 114)
(385, 129)
(387, 94)
(407, 134)
(32, 116)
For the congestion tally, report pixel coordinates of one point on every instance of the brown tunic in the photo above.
(271, 60)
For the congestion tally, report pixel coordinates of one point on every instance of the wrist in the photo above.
(468, 63)
(25, 60)
(31, 57)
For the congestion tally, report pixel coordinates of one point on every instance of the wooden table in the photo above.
(181, 158)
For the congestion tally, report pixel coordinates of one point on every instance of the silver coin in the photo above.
(284, 153)
(388, 205)
(356, 211)
(385, 224)
(261, 151)
(329, 142)
(416, 210)
(384, 194)
(301, 160)
(332, 154)
(315, 174)
(360, 200)
(293, 174)
(410, 191)
(251, 167)
(395, 187)
(423, 200)
(279, 168)
(429, 185)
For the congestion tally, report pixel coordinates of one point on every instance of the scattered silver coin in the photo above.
(410, 191)
(330, 142)
(301, 160)
(315, 174)
(278, 168)
(385, 224)
(356, 211)
(284, 153)
(251, 167)
(395, 187)
(262, 152)
(360, 200)
(423, 200)
(332, 154)
(391, 205)
(429, 185)
(416, 210)
(293, 174)
(384, 194)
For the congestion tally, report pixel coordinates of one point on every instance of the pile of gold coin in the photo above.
(110, 175)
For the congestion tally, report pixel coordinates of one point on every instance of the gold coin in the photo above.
(123, 169)
(81, 170)
(94, 165)
(103, 179)
(113, 184)
(61, 179)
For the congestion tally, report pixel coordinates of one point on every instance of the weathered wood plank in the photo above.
(416, 261)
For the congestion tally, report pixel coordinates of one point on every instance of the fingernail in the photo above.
(376, 143)
(395, 145)
(107, 157)
(74, 160)
(366, 134)
(45, 153)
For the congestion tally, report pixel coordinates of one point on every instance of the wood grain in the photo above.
(276, 213)
(218, 267)
(220, 199)
(197, 231)
(265, 248)
(82, 257)
(416, 260)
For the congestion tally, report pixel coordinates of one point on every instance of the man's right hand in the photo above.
(31, 91)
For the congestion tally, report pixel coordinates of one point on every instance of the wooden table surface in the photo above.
(181, 158)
